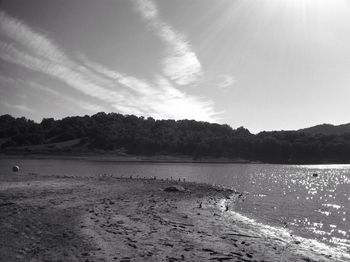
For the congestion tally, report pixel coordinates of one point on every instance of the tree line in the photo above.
(147, 136)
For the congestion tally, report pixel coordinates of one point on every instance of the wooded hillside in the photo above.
(147, 136)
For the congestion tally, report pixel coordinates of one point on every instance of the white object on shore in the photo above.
(15, 168)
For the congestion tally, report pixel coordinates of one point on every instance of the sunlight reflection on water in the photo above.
(312, 206)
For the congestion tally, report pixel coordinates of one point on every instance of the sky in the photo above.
(261, 64)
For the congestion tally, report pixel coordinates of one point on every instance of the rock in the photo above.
(174, 188)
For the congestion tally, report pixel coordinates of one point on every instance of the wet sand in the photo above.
(61, 218)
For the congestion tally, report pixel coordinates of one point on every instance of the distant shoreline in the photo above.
(108, 157)
(125, 158)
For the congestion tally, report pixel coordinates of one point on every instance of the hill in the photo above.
(327, 129)
(130, 135)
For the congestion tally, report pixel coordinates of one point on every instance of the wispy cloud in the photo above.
(180, 63)
(159, 98)
(225, 81)
(19, 107)
(64, 100)
(128, 94)
(71, 101)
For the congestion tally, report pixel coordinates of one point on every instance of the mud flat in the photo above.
(62, 218)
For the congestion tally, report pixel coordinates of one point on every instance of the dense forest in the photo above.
(146, 136)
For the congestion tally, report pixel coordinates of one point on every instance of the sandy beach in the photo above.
(63, 218)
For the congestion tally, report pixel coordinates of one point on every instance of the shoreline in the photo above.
(126, 159)
(123, 219)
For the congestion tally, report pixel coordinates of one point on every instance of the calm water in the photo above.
(284, 196)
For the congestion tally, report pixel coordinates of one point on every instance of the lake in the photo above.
(285, 197)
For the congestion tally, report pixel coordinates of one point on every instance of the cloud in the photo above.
(24, 108)
(67, 100)
(225, 81)
(160, 98)
(147, 8)
(128, 94)
(9, 80)
(180, 63)
(71, 101)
